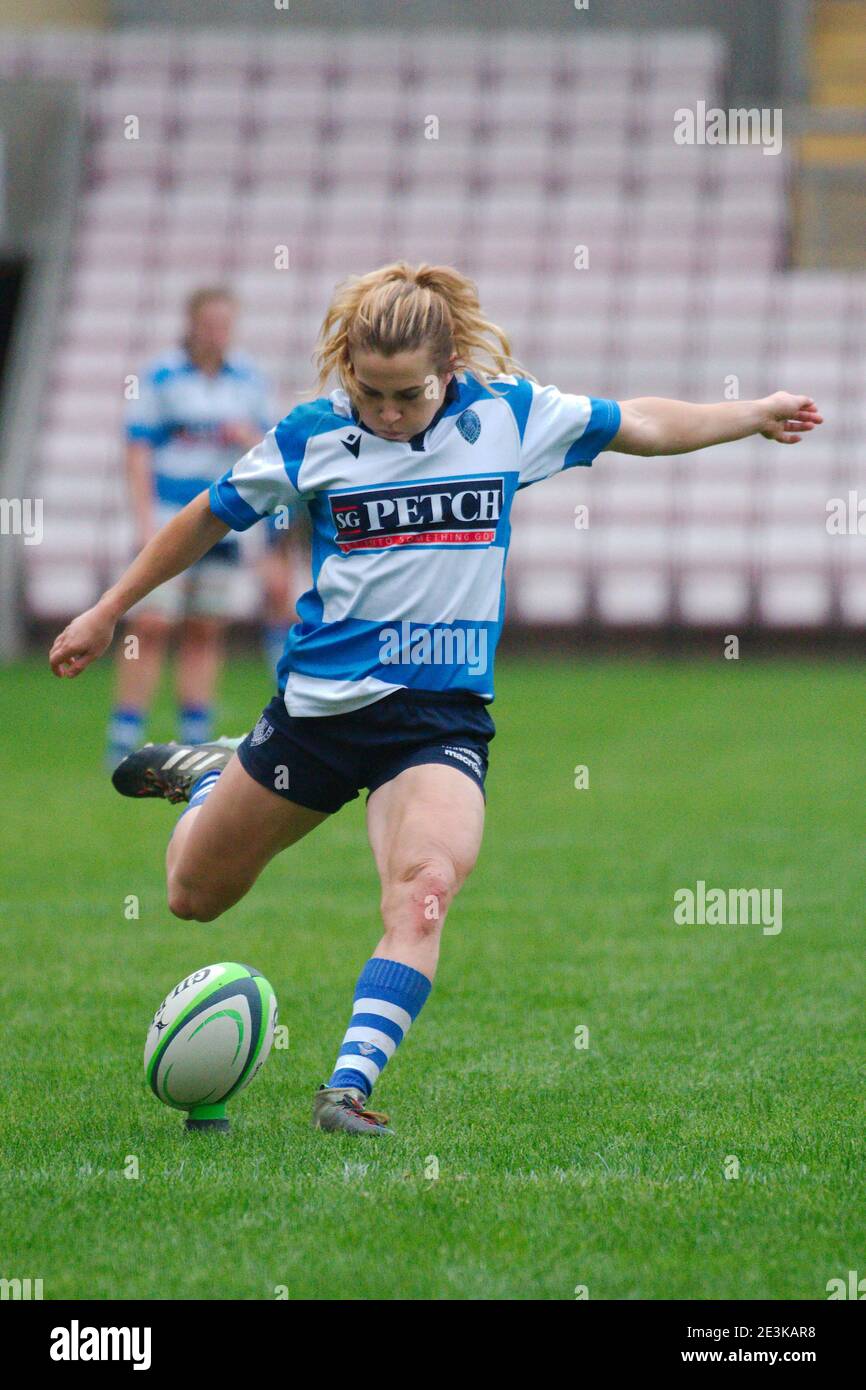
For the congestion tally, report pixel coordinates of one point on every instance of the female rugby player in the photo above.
(408, 469)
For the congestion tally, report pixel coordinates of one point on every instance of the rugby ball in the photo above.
(209, 1037)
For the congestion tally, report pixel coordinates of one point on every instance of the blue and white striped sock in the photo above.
(199, 792)
(388, 998)
(203, 787)
(196, 723)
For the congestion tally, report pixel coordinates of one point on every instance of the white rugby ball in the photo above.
(210, 1036)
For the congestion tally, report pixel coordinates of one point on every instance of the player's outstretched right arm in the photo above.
(185, 538)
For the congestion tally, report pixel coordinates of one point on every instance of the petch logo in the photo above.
(77, 1343)
(460, 511)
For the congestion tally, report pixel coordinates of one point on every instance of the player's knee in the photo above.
(425, 887)
(191, 904)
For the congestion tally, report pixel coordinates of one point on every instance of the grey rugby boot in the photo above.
(170, 770)
(342, 1108)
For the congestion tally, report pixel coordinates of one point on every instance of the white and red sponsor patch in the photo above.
(463, 511)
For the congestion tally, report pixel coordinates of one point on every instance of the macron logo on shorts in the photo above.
(465, 755)
(464, 511)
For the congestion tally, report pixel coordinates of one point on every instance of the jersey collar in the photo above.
(225, 368)
(452, 394)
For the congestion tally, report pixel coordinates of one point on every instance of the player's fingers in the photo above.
(75, 665)
(57, 655)
(68, 661)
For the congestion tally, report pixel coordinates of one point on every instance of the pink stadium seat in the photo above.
(793, 598)
(136, 50)
(292, 107)
(209, 249)
(114, 156)
(97, 285)
(639, 597)
(613, 55)
(215, 109)
(714, 597)
(149, 98)
(116, 207)
(110, 248)
(205, 154)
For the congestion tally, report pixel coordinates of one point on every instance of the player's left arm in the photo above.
(653, 425)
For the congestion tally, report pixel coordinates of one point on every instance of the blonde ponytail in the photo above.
(399, 308)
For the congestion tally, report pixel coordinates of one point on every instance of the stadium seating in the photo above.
(506, 157)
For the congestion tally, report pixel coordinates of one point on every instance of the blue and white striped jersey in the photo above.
(409, 538)
(182, 414)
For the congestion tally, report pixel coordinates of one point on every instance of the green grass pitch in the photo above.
(558, 1167)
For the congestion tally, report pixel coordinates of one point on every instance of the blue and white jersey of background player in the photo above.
(182, 414)
(408, 538)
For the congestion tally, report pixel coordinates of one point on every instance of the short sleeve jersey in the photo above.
(409, 539)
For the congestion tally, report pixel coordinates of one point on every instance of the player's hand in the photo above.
(787, 417)
(85, 639)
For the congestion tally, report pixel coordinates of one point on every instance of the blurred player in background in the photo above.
(198, 407)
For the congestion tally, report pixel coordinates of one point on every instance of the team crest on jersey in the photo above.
(457, 511)
(261, 733)
(469, 426)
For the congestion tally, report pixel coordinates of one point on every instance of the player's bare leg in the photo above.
(425, 828)
(213, 859)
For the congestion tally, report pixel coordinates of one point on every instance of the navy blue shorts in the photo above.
(322, 761)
